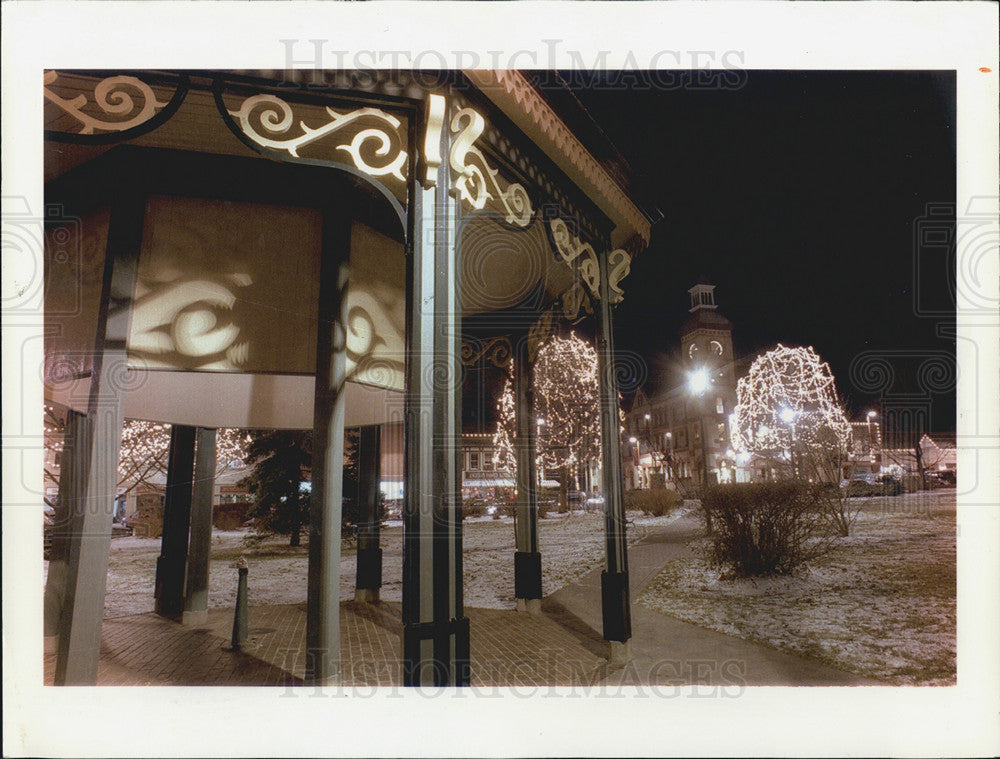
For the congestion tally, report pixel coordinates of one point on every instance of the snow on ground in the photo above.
(882, 604)
(571, 545)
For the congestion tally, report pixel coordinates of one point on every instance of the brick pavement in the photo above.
(509, 648)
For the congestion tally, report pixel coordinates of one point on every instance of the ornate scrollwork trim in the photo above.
(434, 115)
(113, 97)
(581, 256)
(496, 351)
(576, 254)
(275, 117)
(475, 177)
(619, 266)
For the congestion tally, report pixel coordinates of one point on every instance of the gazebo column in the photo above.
(196, 589)
(93, 458)
(527, 559)
(615, 602)
(325, 503)
(435, 629)
(172, 562)
(71, 472)
(369, 574)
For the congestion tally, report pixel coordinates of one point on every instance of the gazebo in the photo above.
(313, 250)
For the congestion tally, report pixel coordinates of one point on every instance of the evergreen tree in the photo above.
(282, 465)
(281, 461)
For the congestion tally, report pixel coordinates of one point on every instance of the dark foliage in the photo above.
(281, 461)
(767, 528)
(656, 502)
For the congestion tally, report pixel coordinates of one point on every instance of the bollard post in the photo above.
(240, 623)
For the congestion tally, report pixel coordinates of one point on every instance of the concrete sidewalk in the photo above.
(667, 651)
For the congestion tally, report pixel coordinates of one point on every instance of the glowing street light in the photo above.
(871, 439)
(698, 381)
(788, 415)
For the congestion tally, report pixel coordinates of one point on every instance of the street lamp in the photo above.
(871, 438)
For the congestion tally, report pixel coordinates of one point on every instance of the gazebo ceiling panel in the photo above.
(502, 267)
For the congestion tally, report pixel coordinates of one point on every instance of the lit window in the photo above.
(474, 461)
(720, 407)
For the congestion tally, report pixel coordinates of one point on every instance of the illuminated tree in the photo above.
(787, 404)
(566, 406)
(144, 451)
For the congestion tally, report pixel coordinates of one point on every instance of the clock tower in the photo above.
(707, 336)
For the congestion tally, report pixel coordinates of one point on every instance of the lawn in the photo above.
(882, 604)
(571, 545)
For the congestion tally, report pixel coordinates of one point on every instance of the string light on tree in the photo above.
(144, 451)
(788, 401)
(566, 397)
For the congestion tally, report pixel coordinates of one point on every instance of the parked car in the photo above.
(870, 485)
(945, 479)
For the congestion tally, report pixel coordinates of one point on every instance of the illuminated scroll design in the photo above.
(496, 351)
(476, 182)
(619, 266)
(374, 345)
(115, 96)
(573, 300)
(275, 117)
(576, 254)
(189, 324)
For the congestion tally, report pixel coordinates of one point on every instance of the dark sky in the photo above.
(798, 194)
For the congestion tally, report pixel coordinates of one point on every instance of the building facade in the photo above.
(678, 436)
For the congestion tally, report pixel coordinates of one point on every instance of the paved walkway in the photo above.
(562, 647)
(667, 651)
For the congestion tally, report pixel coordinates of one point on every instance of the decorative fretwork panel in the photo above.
(86, 108)
(363, 138)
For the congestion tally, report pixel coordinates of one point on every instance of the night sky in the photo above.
(798, 194)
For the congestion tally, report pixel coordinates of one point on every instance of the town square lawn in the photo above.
(571, 545)
(881, 603)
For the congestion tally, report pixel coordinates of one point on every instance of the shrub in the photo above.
(503, 509)
(545, 505)
(656, 502)
(473, 507)
(766, 528)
